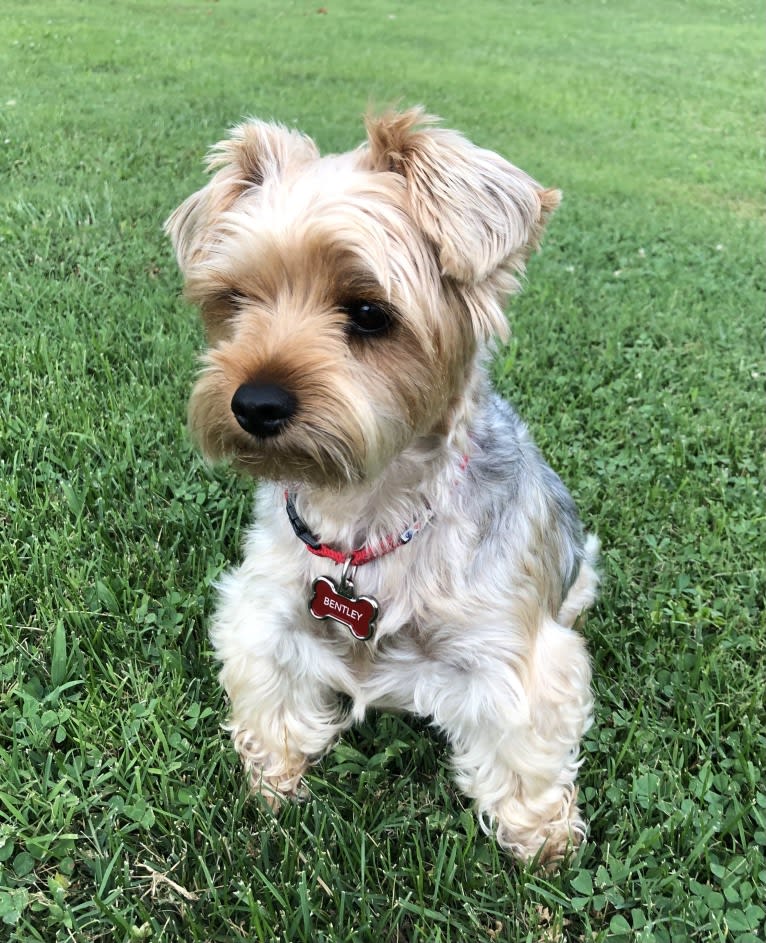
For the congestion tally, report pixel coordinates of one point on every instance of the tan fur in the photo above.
(384, 431)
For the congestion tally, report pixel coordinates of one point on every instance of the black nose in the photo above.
(263, 409)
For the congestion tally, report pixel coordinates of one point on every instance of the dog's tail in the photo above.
(582, 593)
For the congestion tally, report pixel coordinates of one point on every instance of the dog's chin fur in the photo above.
(477, 612)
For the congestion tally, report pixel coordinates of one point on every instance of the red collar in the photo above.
(363, 554)
(356, 557)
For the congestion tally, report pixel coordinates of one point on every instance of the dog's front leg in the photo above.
(284, 712)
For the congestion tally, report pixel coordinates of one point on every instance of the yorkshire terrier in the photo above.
(411, 549)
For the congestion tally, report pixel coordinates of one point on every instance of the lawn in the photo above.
(636, 358)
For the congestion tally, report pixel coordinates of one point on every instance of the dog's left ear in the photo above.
(481, 212)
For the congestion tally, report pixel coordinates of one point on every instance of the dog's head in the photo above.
(345, 298)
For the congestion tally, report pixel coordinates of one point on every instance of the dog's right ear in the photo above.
(253, 152)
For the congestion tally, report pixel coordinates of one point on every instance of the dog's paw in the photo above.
(275, 789)
(273, 776)
(549, 843)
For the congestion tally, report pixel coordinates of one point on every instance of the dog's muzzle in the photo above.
(263, 409)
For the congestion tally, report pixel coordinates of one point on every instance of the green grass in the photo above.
(636, 359)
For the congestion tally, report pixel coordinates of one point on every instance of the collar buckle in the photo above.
(300, 527)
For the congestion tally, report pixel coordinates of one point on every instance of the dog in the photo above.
(411, 550)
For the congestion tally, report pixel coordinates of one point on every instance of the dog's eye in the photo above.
(233, 298)
(368, 318)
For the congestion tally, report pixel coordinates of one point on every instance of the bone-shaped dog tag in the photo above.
(357, 613)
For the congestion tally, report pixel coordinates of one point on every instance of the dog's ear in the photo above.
(253, 152)
(481, 212)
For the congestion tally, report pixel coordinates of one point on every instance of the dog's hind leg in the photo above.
(515, 739)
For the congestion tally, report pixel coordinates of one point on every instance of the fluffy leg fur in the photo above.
(516, 752)
(283, 714)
